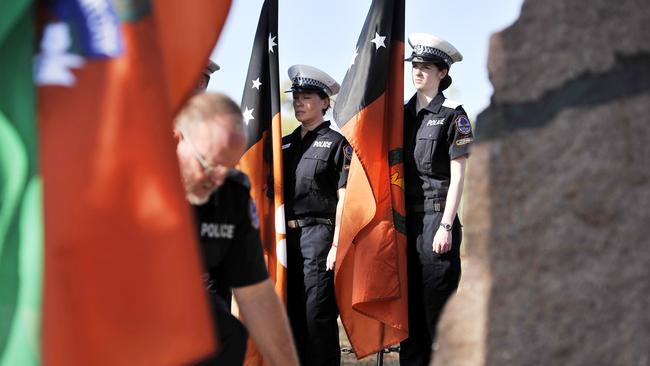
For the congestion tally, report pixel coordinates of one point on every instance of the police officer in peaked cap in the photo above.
(437, 140)
(316, 161)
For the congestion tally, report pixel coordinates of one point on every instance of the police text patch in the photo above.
(326, 144)
(435, 122)
(463, 125)
(217, 231)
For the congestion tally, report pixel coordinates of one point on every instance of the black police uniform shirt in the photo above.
(438, 133)
(227, 227)
(315, 167)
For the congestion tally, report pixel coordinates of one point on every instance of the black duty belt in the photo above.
(429, 205)
(308, 221)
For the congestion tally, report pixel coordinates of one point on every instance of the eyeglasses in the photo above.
(207, 168)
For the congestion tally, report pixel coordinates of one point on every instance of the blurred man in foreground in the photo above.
(211, 140)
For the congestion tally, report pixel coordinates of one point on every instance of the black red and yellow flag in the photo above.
(263, 157)
(370, 279)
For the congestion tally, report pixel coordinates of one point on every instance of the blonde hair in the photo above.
(210, 108)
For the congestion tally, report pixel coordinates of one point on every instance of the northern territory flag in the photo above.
(262, 161)
(370, 279)
(122, 277)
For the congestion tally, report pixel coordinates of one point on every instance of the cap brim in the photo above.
(314, 89)
(414, 59)
(433, 59)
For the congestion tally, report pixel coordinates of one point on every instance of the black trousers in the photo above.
(232, 341)
(432, 279)
(311, 303)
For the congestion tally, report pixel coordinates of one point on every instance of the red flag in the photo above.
(263, 158)
(371, 279)
(122, 267)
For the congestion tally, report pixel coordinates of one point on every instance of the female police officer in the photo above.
(316, 161)
(437, 137)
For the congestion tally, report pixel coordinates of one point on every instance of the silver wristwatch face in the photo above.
(446, 226)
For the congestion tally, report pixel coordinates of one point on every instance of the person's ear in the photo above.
(177, 136)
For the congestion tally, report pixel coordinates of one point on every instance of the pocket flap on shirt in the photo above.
(319, 154)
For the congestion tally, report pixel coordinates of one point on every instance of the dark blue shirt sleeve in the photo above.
(244, 264)
(460, 135)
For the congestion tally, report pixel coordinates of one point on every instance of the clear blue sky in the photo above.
(324, 33)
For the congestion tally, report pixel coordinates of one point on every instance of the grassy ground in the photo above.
(390, 359)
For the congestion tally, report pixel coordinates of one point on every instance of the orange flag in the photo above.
(370, 278)
(263, 158)
(122, 282)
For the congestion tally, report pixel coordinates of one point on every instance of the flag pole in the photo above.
(380, 358)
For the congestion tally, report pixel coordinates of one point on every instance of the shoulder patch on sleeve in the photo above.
(463, 125)
(239, 178)
(252, 212)
(347, 150)
(347, 153)
(449, 103)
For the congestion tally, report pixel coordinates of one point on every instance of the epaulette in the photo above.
(451, 104)
(239, 177)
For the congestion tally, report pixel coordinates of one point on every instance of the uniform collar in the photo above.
(321, 129)
(433, 106)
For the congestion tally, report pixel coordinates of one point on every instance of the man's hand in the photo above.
(266, 320)
(442, 241)
(331, 258)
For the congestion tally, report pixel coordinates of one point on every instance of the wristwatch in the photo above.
(445, 226)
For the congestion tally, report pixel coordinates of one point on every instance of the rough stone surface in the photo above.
(554, 41)
(557, 213)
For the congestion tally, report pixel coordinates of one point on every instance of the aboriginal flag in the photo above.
(371, 277)
(122, 277)
(262, 161)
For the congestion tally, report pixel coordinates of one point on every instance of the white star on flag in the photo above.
(354, 57)
(378, 41)
(272, 42)
(248, 115)
(256, 83)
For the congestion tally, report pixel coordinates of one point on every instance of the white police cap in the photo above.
(429, 48)
(308, 78)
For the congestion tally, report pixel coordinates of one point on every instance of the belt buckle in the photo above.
(436, 206)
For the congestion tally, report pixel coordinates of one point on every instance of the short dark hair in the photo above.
(322, 95)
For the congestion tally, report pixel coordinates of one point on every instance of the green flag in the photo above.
(21, 228)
